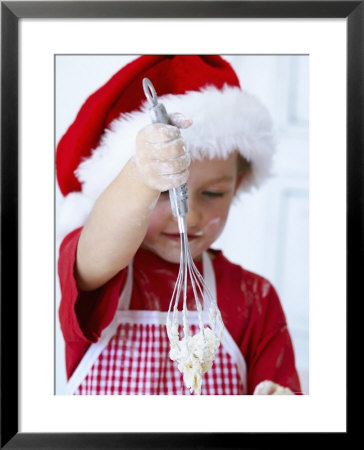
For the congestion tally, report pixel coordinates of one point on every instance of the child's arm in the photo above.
(119, 220)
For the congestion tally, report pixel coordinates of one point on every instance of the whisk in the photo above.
(194, 354)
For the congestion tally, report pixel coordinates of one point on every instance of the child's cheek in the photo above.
(158, 218)
(214, 227)
(216, 219)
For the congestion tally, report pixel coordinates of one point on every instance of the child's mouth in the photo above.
(176, 236)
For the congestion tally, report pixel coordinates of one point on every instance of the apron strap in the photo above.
(94, 350)
(209, 276)
(227, 340)
(125, 296)
(90, 357)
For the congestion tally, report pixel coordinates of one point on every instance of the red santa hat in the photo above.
(204, 88)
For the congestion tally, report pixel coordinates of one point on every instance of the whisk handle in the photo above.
(178, 196)
(157, 111)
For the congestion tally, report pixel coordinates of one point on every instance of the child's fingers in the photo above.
(166, 181)
(179, 120)
(157, 133)
(172, 166)
(165, 150)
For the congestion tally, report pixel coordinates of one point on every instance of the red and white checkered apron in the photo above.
(132, 356)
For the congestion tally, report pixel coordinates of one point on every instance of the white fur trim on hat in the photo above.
(223, 121)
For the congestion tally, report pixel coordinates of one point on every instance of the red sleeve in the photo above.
(271, 355)
(83, 315)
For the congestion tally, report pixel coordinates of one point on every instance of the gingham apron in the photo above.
(132, 355)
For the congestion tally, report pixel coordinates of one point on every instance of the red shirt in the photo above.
(248, 303)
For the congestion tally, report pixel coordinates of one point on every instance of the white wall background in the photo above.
(267, 231)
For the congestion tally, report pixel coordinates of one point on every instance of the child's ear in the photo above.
(239, 180)
(244, 169)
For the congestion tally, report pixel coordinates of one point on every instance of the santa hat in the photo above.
(204, 88)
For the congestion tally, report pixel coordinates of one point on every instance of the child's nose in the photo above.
(194, 214)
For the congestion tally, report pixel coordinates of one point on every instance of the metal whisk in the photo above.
(187, 270)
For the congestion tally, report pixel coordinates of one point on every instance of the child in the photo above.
(118, 265)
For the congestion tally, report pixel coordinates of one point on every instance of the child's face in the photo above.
(211, 188)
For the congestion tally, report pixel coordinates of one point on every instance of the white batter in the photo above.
(193, 354)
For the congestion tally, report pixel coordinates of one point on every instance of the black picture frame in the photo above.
(11, 13)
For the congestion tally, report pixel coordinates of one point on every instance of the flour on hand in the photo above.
(267, 387)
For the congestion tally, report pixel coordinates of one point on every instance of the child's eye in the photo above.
(213, 194)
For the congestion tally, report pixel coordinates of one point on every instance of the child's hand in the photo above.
(161, 156)
(269, 388)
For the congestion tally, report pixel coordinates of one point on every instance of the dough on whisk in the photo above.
(195, 357)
